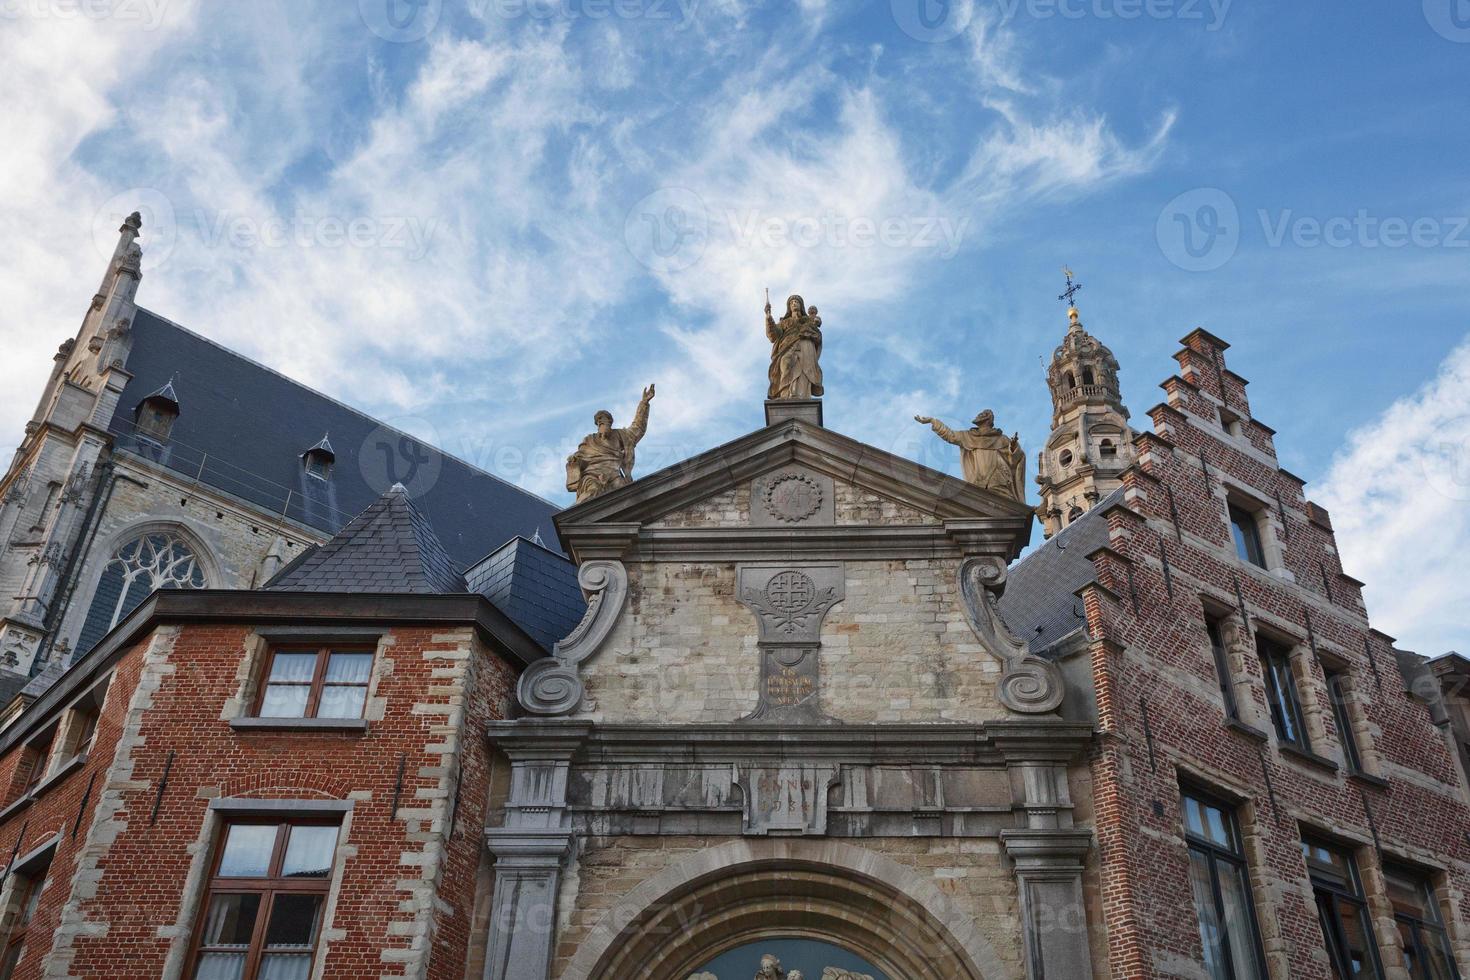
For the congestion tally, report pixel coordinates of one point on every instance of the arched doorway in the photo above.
(735, 898)
(778, 959)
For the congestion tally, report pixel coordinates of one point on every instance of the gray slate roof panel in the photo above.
(390, 547)
(534, 586)
(1039, 604)
(242, 426)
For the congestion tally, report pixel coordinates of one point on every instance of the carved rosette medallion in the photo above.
(793, 498)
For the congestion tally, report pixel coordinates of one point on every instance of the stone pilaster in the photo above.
(1048, 868)
(530, 849)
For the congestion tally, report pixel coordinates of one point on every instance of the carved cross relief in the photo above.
(790, 603)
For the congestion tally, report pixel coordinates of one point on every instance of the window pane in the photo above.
(349, 668)
(341, 702)
(1438, 965)
(297, 667)
(1209, 921)
(285, 966)
(248, 851)
(12, 959)
(1239, 924)
(1358, 952)
(309, 852)
(293, 923)
(284, 701)
(231, 920)
(1194, 820)
(220, 966)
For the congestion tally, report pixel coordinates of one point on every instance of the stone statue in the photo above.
(796, 347)
(604, 460)
(990, 460)
(770, 968)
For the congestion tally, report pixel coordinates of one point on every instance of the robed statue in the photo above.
(990, 460)
(604, 460)
(796, 347)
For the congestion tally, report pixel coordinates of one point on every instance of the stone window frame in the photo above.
(1358, 757)
(1267, 525)
(239, 711)
(206, 846)
(24, 871)
(1437, 891)
(1248, 858)
(1366, 875)
(74, 724)
(1240, 675)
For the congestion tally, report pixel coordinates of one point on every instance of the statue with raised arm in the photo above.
(604, 460)
(796, 347)
(990, 460)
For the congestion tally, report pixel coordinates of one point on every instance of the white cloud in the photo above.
(1399, 494)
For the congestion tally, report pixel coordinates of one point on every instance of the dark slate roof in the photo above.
(390, 547)
(37, 685)
(242, 426)
(1039, 604)
(532, 585)
(11, 684)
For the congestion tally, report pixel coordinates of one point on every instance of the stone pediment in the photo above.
(795, 487)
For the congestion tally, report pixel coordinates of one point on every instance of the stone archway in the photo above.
(750, 890)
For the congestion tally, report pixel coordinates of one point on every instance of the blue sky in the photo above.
(485, 219)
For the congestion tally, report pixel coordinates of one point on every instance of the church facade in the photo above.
(791, 709)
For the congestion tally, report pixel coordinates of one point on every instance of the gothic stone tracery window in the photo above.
(153, 560)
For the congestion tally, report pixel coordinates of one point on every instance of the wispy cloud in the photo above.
(1399, 494)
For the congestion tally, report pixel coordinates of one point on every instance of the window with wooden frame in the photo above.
(314, 683)
(1245, 529)
(1215, 629)
(26, 895)
(1338, 691)
(1281, 693)
(39, 752)
(1342, 911)
(1427, 951)
(1222, 895)
(262, 915)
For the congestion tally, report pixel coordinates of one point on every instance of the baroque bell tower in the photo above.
(1091, 443)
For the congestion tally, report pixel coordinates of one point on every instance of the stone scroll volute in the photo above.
(554, 686)
(1029, 685)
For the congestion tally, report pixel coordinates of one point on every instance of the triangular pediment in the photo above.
(827, 481)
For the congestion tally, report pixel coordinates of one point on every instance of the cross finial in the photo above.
(1072, 288)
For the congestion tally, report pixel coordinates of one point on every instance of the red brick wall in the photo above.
(1156, 658)
(143, 873)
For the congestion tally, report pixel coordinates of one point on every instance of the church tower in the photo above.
(1091, 443)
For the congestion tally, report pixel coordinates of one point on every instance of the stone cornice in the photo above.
(986, 743)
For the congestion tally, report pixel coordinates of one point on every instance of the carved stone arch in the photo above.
(86, 628)
(748, 890)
